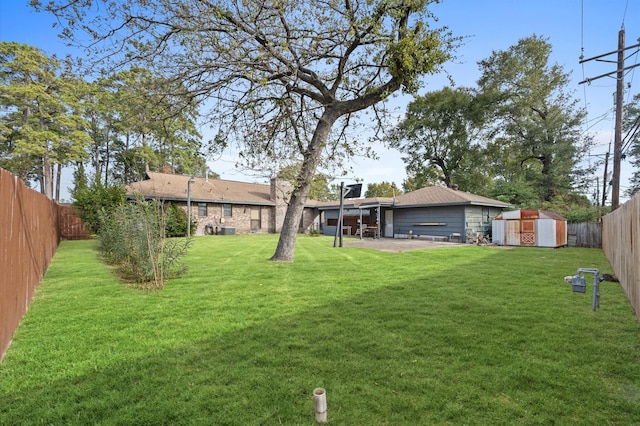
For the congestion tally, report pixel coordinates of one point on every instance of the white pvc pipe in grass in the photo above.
(320, 401)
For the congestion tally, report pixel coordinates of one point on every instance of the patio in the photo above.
(395, 244)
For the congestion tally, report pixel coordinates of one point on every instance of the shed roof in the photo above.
(529, 214)
(167, 186)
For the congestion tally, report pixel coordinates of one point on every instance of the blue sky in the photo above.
(569, 25)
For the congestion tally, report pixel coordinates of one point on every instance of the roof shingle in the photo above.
(174, 187)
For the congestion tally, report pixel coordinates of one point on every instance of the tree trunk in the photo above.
(547, 175)
(41, 174)
(47, 177)
(107, 154)
(289, 232)
(96, 150)
(58, 180)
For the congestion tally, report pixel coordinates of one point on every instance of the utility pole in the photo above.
(617, 148)
(617, 139)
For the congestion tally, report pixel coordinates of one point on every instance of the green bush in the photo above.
(96, 200)
(315, 233)
(132, 237)
(177, 221)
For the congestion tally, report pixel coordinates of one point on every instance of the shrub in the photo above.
(96, 200)
(133, 238)
(177, 221)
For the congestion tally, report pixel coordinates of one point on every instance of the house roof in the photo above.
(173, 187)
(425, 197)
(443, 196)
(355, 203)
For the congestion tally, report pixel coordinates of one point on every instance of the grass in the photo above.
(458, 335)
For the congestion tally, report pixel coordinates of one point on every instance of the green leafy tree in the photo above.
(438, 137)
(320, 189)
(153, 125)
(631, 146)
(41, 128)
(536, 124)
(95, 200)
(382, 189)
(176, 221)
(284, 79)
(413, 182)
(516, 192)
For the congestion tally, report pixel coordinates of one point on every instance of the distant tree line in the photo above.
(117, 126)
(516, 137)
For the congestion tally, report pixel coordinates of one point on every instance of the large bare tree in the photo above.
(283, 78)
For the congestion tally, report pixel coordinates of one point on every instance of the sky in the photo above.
(572, 27)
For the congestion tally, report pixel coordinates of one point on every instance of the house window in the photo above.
(485, 214)
(255, 218)
(202, 209)
(227, 211)
(332, 222)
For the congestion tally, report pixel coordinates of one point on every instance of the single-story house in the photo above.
(434, 212)
(224, 206)
(218, 205)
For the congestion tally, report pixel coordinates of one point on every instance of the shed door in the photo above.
(561, 233)
(513, 233)
(528, 232)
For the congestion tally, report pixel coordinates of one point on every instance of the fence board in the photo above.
(587, 234)
(621, 246)
(71, 227)
(29, 237)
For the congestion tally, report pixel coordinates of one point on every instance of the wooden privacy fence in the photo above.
(621, 246)
(71, 227)
(29, 237)
(586, 234)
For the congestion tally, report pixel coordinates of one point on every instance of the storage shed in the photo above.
(529, 228)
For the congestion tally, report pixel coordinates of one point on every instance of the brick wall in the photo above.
(310, 220)
(270, 217)
(240, 218)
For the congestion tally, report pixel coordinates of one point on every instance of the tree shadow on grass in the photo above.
(431, 350)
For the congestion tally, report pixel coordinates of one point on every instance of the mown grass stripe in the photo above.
(461, 335)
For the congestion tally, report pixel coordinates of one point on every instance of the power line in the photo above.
(624, 15)
(620, 71)
(631, 135)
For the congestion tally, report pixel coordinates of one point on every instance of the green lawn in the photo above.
(456, 335)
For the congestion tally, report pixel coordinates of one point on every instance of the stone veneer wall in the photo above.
(271, 218)
(309, 221)
(240, 218)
